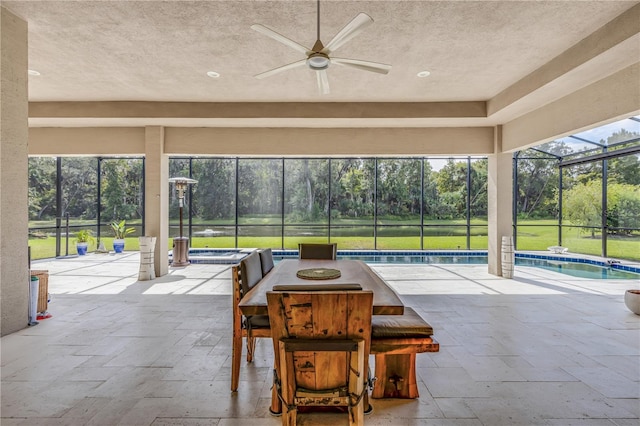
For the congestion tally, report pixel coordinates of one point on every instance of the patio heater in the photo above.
(181, 244)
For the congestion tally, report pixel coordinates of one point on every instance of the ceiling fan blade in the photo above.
(363, 65)
(279, 37)
(323, 82)
(292, 65)
(352, 29)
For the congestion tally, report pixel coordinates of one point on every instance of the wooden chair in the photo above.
(317, 251)
(321, 345)
(245, 276)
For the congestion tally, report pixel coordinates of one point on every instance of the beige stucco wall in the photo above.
(613, 97)
(14, 268)
(329, 141)
(327, 111)
(64, 141)
(265, 141)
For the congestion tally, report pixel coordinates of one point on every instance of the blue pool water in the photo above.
(576, 267)
(582, 270)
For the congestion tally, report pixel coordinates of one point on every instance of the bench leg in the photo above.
(396, 376)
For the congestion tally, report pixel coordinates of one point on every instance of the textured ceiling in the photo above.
(161, 51)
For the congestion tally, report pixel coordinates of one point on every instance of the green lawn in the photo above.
(42, 248)
(529, 238)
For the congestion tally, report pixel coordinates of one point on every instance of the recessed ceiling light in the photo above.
(33, 72)
(213, 74)
(423, 74)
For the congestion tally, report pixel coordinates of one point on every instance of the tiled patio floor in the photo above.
(540, 349)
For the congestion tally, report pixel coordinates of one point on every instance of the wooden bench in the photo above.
(395, 341)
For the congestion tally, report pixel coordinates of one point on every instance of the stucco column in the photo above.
(500, 196)
(14, 133)
(156, 201)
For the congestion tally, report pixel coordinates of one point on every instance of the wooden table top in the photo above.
(385, 299)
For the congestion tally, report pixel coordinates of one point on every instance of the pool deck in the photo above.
(539, 349)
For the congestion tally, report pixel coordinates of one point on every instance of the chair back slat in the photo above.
(320, 315)
(317, 251)
(251, 271)
(266, 260)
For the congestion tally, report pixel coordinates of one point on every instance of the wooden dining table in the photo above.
(385, 299)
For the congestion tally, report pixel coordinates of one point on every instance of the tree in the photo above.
(451, 183)
(214, 194)
(260, 187)
(478, 202)
(121, 194)
(537, 186)
(430, 192)
(398, 188)
(42, 188)
(582, 205)
(79, 187)
(623, 208)
(306, 190)
(624, 170)
(352, 188)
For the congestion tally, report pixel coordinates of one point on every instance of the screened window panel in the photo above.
(352, 191)
(537, 192)
(582, 197)
(209, 236)
(445, 237)
(581, 240)
(478, 238)
(122, 192)
(80, 189)
(294, 234)
(445, 190)
(398, 238)
(214, 196)
(398, 191)
(259, 236)
(623, 207)
(353, 237)
(306, 191)
(260, 191)
(536, 237)
(478, 201)
(178, 167)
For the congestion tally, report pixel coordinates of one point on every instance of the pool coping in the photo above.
(623, 265)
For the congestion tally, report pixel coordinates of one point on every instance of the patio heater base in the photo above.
(180, 251)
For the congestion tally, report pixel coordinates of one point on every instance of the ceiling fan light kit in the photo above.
(318, 58)
(318, 61)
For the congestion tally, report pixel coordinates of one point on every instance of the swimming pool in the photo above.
(576, 267)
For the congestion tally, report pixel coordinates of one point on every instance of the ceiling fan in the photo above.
(318, 58)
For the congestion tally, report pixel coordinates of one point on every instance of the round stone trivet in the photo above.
(318, 274)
